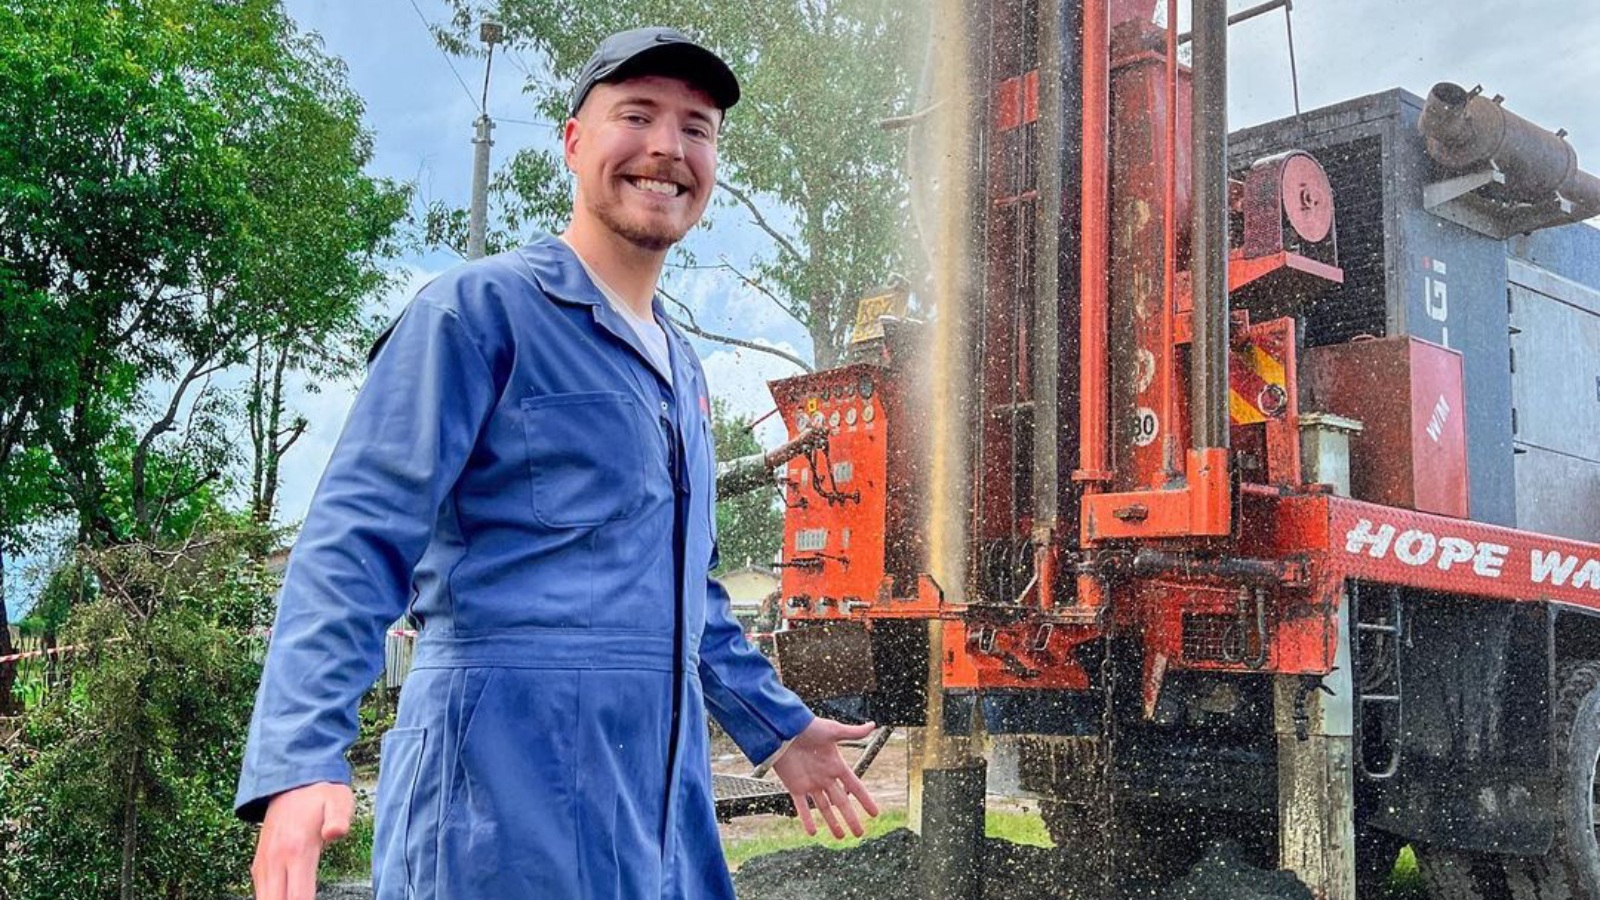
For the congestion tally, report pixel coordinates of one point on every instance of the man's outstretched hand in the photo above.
(298, 825)
(816, 775)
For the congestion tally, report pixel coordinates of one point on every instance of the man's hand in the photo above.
(816, 775)
(299, 823)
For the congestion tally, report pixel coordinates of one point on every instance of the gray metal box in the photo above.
(1411, 272)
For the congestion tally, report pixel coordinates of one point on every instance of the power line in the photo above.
(536, 124)
(459, 80)
(516, 60)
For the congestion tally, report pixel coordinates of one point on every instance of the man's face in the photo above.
(645, 155)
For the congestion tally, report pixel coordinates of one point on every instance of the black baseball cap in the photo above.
(657, 51)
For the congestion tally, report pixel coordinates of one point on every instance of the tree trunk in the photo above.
(8, 671)
(275, 451)
(266, 425)
(130, 826)
(258, 437)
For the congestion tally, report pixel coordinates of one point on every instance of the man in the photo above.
(530, 465)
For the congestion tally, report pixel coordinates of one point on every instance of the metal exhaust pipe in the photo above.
(1466, 130)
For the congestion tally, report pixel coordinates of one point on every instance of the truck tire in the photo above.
(1571, 870)
(1449, 874)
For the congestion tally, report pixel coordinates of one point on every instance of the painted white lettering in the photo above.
(1588, 575)
(1557, 567)
(1365, 537)
(1454, 550)
(1489, 559)
(1414, 548)
(1441, 413)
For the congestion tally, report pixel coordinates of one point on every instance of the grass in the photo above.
(1406, 883)
(778, 835)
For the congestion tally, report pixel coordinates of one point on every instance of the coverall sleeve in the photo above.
(742, 690)
(408, 436)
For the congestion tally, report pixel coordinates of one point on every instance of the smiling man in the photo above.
(528, 472)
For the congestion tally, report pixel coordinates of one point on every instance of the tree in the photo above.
(184, 197)
(324, 235)
(122, 785)
(750, 526)
(804, 157)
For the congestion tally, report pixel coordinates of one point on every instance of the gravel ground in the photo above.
(348, 891)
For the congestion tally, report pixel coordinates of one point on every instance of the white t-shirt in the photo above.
(649, 331)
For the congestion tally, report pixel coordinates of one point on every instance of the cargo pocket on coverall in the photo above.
(401, 763)
(586, 455)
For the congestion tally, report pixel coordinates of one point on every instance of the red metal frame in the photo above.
(1208, 517)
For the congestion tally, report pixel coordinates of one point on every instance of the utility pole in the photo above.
(490, 33)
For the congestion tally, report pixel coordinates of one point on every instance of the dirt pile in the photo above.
(1225, 875)
(887, 868)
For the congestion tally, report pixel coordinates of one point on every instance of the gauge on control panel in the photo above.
(867, 414)
(833, 420)
(816, 419)
(850, 416)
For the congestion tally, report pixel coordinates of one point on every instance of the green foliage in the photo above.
(803, 156)
(121, 784)
(183, 196)
(351, 858)
(750, 526)
(70, 584)
(374, 718)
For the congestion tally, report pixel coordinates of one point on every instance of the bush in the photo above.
(121, 783)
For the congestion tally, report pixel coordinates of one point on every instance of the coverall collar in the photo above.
(562, 277)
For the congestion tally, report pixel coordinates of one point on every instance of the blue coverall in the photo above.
(516, 470)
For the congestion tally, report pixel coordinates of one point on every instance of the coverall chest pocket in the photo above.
(586, 457)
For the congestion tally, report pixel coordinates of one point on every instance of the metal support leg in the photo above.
(945, 804)
(1316, 783)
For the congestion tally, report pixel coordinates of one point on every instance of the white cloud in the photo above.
(724, 304)
(739, 377)
(325, 411)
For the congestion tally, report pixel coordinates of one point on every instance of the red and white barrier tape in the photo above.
(35, 654)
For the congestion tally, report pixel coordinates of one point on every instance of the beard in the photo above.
(654, 236)
(653, 233)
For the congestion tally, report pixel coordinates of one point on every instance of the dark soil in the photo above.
(1224, 875)
(887, 868)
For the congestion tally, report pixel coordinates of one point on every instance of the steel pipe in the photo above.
(1094, 287)
(1209, 266)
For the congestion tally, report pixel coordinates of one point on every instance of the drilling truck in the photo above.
(1239, 486)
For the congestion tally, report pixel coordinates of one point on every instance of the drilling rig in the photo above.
(1274, 472)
